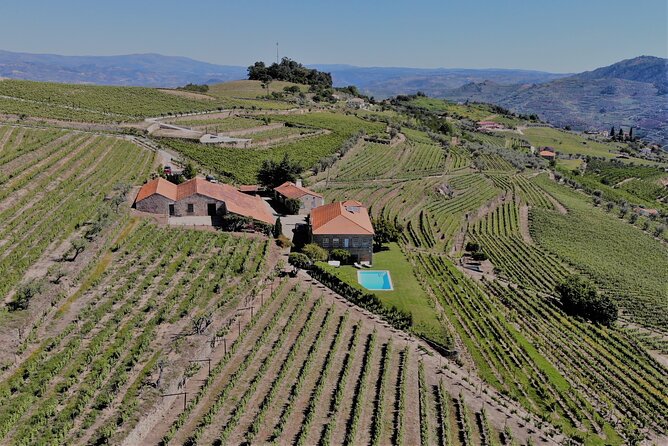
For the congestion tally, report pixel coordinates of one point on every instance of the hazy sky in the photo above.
(559, 36)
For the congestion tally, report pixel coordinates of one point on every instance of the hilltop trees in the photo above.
(290, 71)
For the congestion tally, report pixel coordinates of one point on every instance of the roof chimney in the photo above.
(299, 182)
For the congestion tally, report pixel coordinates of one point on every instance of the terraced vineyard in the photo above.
(633, 269)
(93, 103)
(102, 343)
(564, 389)
(53, 184)
(498, 235)
(308, 370)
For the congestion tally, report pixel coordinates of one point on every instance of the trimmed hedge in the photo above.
(397, 318)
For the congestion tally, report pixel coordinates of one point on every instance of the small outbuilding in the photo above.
(308, 199)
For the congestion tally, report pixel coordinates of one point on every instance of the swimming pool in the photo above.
(375, 280)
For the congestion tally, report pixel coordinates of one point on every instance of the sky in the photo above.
(557, 36)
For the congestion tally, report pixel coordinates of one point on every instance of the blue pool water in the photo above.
(375, 280)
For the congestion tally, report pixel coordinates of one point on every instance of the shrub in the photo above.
(299, 260)
(341, 255)
(579, 297)
(472, 247)
(283, 241)
(315, 252)
(479, 256)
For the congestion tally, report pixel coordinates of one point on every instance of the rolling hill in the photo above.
(629, 93)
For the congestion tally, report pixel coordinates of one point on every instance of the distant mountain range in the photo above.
(383, 82)
(148, 70)
(632, 92)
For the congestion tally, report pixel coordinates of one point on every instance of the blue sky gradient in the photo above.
(557, 36)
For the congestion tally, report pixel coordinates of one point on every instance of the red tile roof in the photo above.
(158, 186)
(249, 188)
(291, 190)
(547, 153)
(235, 201)
(335, 218)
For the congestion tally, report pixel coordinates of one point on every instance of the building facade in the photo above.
(198, 197)
(308, 200)
(343, 225)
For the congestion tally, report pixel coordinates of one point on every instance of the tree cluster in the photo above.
(385, 230)
(290, 71)
(273, 174)
(579, 297)
(203, 88)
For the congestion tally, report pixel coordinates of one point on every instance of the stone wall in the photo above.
(155, 204)
(200, 206)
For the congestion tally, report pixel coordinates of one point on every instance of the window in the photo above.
(365, 243)
(356, 242)
(346, 242)
(325, 241)
(335, 242)
(171, 209)
(191, 208)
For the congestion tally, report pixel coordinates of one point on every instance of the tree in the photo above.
(278, 228)
(385, 231)
(315, 252)
(579, 297)
(57, 272)
(24, 295)
(292, 206)
(189, 171)
(620, 134)
(612, 132)
(273, 174)
(78, 246)
(631, 134)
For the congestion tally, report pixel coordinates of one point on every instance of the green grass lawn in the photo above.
(569, 164)
(407, 294)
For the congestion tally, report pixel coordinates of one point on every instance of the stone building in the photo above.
(343, 225)
(198, 197)
(307, 198)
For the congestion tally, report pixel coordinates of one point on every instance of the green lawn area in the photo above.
(570, 164)
(407, 294)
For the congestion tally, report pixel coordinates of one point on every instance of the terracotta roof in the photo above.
(547, 153)
(291, 190)
(249, 188)
(236, 202)
(334, 218)
(158, 186)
